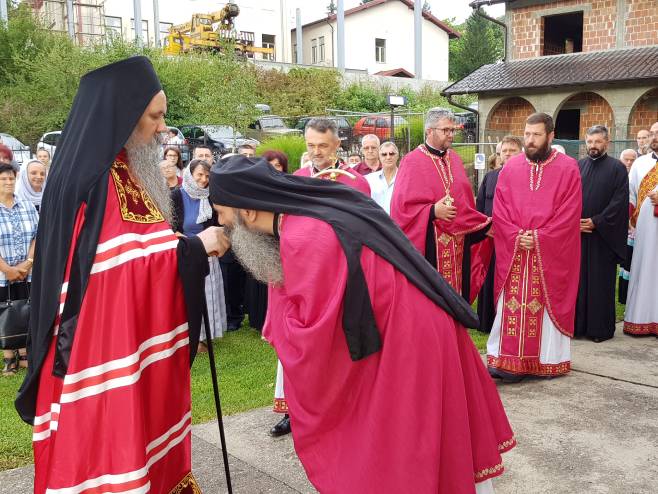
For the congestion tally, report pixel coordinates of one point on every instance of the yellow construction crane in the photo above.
(211, 32)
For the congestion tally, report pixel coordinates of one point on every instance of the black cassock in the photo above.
(605, 200)
(486, 302)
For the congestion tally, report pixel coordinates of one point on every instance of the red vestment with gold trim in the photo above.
(120, 420)
(545, 199)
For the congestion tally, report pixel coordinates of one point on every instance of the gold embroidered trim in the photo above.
(532, 366)
(187, 485)
(641, 329)
(507, 445)
(487, 473)
(129, 190)
(647, 184)
(280, 405)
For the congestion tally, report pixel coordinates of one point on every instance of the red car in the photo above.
(380, 125)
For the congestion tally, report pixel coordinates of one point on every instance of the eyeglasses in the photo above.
(446, 130)
(392, 153)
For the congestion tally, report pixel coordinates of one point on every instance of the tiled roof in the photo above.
(452, 34)
(632, 64)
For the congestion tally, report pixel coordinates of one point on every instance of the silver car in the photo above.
(21, 152)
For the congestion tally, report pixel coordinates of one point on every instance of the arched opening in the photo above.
(579, 112)
(507, 117)
(644, 113)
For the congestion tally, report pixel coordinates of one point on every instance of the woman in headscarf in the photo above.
(193, 213)
(31, 182)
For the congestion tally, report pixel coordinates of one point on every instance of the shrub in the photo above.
(292, 146)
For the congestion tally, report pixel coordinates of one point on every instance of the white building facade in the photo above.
(379, 37)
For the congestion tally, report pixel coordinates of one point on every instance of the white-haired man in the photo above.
(434, 205)
(370, 148)
(627, 157)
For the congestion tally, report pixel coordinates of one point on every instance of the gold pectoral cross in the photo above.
(448, 200)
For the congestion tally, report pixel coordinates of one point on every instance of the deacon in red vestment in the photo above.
(434, 205)
(537, 239)
(377, 404)
(111, 334)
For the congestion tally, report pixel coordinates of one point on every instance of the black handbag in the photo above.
(14, 318)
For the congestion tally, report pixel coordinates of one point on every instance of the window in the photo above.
(267, 41)
(113, 26)
(563, 33)
(314, 51)
(321, 48)
(164, 30)
(294, 53)
(247, 39)
(145, 30)
(380, 50)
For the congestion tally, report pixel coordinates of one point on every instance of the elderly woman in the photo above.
(277, 159)
(193, 213)
(31, 182)
(18, 228)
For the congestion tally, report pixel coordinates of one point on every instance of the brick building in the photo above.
(584, 62)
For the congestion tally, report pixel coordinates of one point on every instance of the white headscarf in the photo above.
(195, 192)
(24, 188)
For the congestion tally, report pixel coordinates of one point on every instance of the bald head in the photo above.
(627, 156)
(643, 141)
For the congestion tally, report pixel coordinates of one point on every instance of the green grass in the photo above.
(246, 369)
(292, 146)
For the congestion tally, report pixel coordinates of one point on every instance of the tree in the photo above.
(481, 43)
(331, 8)
(427, 7)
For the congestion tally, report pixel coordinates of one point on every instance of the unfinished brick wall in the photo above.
(644, 113)
(599, 24)
(641, 23)
(594, 110)
(508, 117)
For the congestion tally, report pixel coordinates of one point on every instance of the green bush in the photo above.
(292, 146)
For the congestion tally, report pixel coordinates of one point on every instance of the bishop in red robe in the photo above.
(536, 220)
(377, 405)
(114, 322)
(433, 203)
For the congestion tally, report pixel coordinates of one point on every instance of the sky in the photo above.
(443, 9)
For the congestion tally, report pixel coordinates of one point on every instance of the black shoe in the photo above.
(282, 427)
(507, 377)
(232, 328)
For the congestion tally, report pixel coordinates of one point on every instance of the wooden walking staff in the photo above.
(218, 405)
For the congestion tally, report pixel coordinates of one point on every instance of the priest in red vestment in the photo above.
(114, 322)
(378, 403)
(433, 203)
(536, 219)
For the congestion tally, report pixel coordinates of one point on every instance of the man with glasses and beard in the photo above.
(116, 301)
(604, 229)
(343, 278)
(434, 205)
(536, 218)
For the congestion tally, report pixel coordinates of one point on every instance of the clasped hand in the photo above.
(587, 225)
(526, 240)
(215, 241)
(444, 212)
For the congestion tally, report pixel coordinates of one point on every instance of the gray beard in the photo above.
(257, 252)
(143, 161)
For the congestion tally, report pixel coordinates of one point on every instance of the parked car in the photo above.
(221, 139)
(22, 153)
(380, 125)
(344, 129)
(184, 147)
(467, 122)
(49, 141)
(268, 126)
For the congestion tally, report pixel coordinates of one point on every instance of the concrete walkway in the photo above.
(593, 431)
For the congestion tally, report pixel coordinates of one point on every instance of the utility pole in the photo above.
(70, 21)
(156, 23)
(282, 52)
(139, 39)
(298, 33)
(418, 37)
(3, 11)
(340, 34)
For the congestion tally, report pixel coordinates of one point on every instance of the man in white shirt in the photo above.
(382, 182)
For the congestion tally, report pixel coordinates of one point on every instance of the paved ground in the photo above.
(593, 431)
